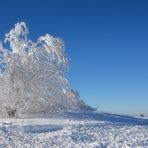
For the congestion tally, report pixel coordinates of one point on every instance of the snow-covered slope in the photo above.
(75, 130)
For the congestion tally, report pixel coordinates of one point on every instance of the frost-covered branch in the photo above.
(33, 77)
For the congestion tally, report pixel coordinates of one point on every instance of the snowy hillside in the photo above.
(75, 130)
(36, 100)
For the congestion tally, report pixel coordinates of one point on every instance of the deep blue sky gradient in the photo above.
(106, 41)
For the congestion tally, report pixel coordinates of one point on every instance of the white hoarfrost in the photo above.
(32, 76)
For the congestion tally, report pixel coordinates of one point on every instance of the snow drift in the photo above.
(32, 76)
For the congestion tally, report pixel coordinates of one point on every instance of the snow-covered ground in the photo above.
(75, 130)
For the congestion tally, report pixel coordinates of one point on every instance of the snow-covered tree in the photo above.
(32, 75)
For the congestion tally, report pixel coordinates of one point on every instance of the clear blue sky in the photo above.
(106, 41)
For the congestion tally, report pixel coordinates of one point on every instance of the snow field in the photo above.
(68, 133)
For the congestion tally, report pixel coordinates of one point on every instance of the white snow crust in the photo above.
(75, 130)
